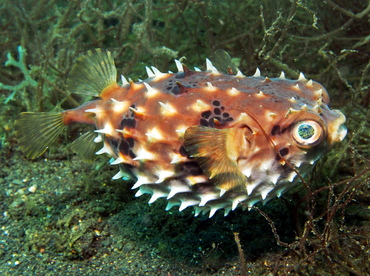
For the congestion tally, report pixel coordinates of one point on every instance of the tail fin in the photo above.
(36, 131)
(93, 72)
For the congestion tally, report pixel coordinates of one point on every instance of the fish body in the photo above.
(206, 139)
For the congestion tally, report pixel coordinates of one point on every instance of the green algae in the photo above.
(21, 64)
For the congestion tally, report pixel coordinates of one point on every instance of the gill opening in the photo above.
(282, 160)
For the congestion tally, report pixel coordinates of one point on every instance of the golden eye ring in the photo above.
(307, 133)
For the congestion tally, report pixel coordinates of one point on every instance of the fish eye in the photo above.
(307, 133)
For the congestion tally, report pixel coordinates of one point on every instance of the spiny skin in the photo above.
(212, 140)
(155, 124)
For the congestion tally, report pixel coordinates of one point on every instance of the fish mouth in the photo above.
(342, 132)
(337, 130)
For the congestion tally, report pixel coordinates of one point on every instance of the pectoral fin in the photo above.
(216, 151)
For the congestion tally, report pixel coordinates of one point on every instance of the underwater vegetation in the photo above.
(60, 214)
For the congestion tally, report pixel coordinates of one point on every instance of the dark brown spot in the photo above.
(175, 90)
(203, 122)
(216, 103)
(130, 141)
(284, 151)
(191, 168)
(124, 147)
(113, 144)
(128, 123)
(275, 130)
(217, 111)
(196, 171)
(183, 151)
(206, 114)
(132, 154)
(278, 157)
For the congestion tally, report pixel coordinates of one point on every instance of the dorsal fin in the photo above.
(216, 151)
(223, 62)
(93, 72)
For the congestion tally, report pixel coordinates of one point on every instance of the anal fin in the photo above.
(85, 147)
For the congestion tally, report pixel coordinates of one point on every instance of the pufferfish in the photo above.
(208, 139)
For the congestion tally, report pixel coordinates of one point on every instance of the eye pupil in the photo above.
(306, 131)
